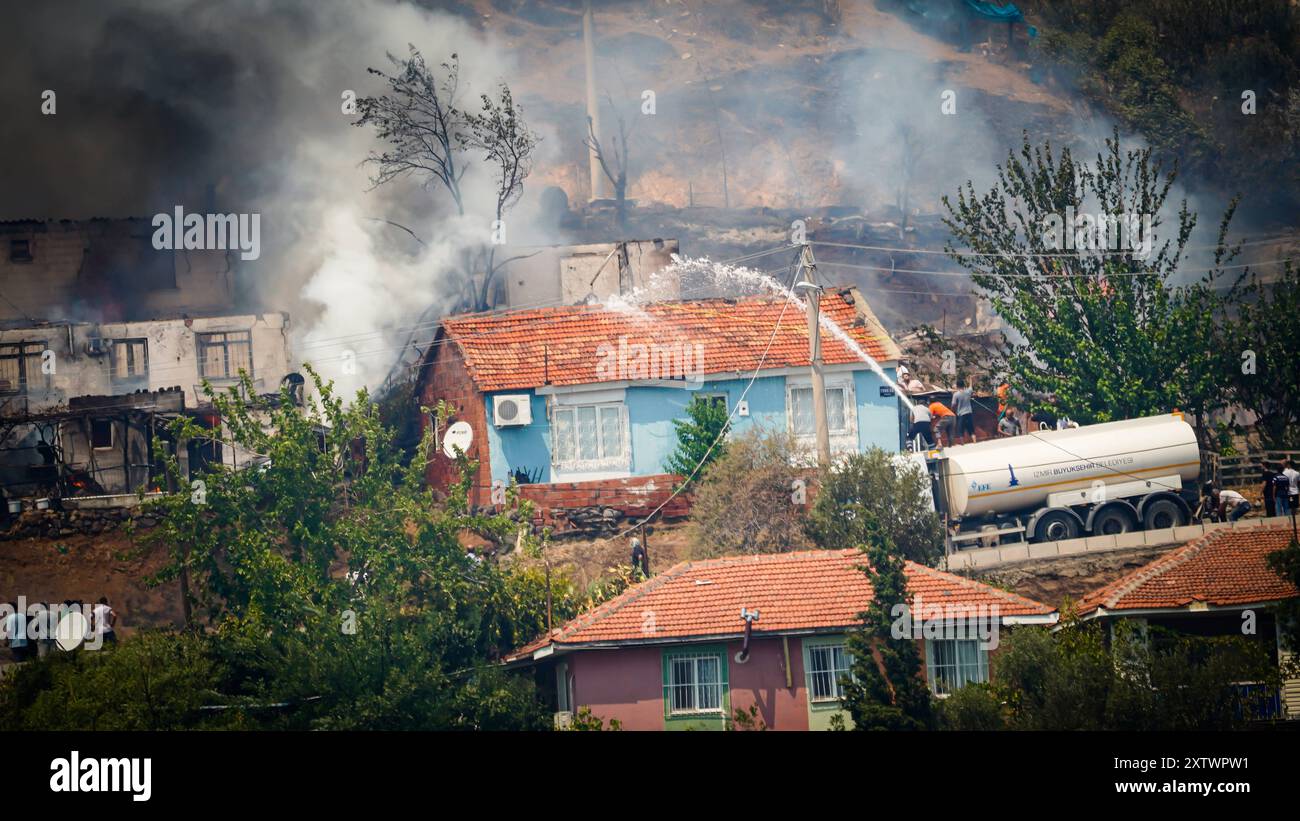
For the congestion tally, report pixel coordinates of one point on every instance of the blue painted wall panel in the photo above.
(651, 411)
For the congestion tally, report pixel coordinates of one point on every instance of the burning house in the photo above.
(576, 403)
(102, 339)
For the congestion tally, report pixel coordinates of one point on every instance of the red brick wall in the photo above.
(634, 496)
(447, 378)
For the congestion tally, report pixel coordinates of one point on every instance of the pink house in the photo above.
(703, 640)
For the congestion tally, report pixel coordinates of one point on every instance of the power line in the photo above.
(1269, 241)
(763, 358)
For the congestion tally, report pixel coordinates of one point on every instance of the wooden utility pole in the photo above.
(599, 185)
(813, 294)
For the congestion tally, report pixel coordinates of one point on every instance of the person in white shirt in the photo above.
(920, 425)
(1232, 505)
(104, 619)
(1293, 475)
(14, 629)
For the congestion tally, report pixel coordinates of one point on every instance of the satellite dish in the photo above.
(71, 631)
(459, 436)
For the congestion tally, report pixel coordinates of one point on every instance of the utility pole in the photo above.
(599, 185)
(813, 292)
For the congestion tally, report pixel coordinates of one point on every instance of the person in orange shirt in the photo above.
(944, 420)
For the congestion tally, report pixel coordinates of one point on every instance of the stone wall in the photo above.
(49, 524)
(603, 506)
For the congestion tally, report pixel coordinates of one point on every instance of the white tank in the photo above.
(1018, 472)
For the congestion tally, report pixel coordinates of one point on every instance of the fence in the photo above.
(1244, 470)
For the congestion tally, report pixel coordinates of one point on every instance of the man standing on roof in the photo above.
(963, 407)
(944, 420)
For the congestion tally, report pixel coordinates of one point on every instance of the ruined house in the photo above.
(102, 339)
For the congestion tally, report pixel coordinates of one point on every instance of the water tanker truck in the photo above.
(1043, 486)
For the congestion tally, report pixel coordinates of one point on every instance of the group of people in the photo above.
(936, 422)
(36, 635)
(1281, 490)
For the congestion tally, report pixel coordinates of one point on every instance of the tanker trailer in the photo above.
(1109, 478)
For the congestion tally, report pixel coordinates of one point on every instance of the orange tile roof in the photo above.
(1224, 567)
(560, 346)
(807, 590)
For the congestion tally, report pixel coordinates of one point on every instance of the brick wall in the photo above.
(447, 378)
(605, 504)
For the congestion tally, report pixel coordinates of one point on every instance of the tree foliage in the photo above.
(869, 492)
(1102, 334)
(428, 134)
(886, 690)
(700, 439)
(1151, 679)
(1178, 72)
(748, 500)
(1256, 350)
(328, 589)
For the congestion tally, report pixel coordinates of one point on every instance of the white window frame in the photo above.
(836, 672)
(603, 462)
(960, 670)
(694, 687)
(845, 438)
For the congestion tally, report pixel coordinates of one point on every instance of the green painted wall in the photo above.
(691, 721)
(820, 713)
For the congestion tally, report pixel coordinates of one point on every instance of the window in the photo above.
(838, 403)
(20, 250)
(827, 664)
(20, 367)
(130, 359)
(101, 433)
(952, 663)
(223, 355)
(589, 436)
(693, 684)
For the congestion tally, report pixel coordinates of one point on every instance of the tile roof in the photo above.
(1224, 567)
(562, 345)
(807, 590)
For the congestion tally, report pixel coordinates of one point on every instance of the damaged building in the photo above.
(103, 339)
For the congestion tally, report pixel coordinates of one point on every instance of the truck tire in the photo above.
(1113, 520)
(1162, 514)
(1056, 526)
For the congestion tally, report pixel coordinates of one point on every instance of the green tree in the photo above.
(1103, 334)
(1258, 355)
(700, 440)
(750, 500)
(1143, 679)
(971, 707)
(334, 582)
(869, 491)
(155, 680)
(886, 690)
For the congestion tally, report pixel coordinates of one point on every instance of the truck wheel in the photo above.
(1112, 521)
(1162, 514)
(1056, 526)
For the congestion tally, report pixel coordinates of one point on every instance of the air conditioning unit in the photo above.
(513, 409)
